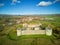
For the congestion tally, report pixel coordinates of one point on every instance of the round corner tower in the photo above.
(19, 32)
(48, 31)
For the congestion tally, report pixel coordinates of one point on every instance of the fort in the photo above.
(30, 29)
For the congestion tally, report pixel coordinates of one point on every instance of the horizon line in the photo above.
(28, 14)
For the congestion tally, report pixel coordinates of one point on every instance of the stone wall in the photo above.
(48, 32)
(28, 32)
(19, 33)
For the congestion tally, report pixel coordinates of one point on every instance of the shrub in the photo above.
(12, 35)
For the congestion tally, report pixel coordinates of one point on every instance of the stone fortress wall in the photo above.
(29, 32)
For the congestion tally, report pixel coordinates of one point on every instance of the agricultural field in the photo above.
(9, 24)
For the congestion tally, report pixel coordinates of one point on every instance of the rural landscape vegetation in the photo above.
(9, 25)
(29, 22)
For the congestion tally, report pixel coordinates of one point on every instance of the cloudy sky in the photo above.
(29, 6)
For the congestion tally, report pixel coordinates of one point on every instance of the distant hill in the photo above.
(10, 16)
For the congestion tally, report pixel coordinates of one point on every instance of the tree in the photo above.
(1, 28)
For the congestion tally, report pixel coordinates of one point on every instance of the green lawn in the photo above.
(29, 40)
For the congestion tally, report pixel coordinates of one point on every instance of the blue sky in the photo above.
(29, 7)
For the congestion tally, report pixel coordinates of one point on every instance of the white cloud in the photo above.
(56, 1)
(14, 2)
(44, 3)
(1, 4)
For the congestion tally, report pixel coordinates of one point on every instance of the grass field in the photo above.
(30, 40)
